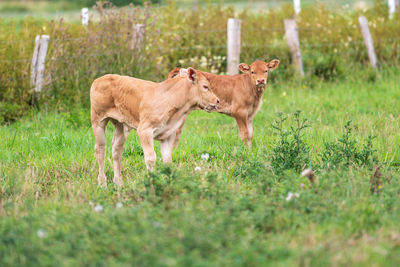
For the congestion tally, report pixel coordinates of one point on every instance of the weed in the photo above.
(345, 151)
(291, 151)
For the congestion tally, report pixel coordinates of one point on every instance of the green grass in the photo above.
(231, 213)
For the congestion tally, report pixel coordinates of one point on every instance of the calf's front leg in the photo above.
(243, 129)
(250, 128)
(147, 142)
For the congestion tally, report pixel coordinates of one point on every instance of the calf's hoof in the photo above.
(118, 181)
(102, 181)
(150, 165)
(247, 142)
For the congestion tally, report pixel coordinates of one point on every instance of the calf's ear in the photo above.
(191, 74)
(273, 64)
(243, 67)
(173, 73)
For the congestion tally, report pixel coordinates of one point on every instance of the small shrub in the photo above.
(291, 152)
(77, 117)
(251, 169)
(345, 151)
(324, 66)
(9, 112)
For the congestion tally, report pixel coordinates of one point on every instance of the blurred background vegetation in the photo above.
(331, 43)
(68, 9)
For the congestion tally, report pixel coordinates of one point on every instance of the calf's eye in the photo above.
(205, 87)
(252, 72)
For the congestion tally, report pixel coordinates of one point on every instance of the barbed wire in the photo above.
(15, 60)
(313, 28)
(17, 41)
(197, 47)
(300, 28)
(330, 44)
(195, 31)
(201, 47)
(346, 44)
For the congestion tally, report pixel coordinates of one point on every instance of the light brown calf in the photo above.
(240, 95)
(155, 110)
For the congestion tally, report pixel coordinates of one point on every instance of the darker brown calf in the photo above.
(240, 95)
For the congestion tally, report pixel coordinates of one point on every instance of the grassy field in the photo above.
(235, 211)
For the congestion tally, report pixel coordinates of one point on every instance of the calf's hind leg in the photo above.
(178, 133)
(120, 135)
(250, 129)
(100, 149)
(147, 142)
(166, 148)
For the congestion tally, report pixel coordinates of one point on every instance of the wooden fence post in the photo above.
(38, 60)
(368, 41)
(292, 37)
(393, 7)
(85, 16)
(195, 5)
(233, 53)
(137, 36)
(297, 7)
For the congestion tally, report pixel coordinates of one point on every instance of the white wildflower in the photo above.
(98, 208)
(119, 205)
(291, 195)
(205, 156)
(203, 61)
(41, 233)
(197, 169)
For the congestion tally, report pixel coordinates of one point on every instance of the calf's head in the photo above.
(201, 89)
(258, 71)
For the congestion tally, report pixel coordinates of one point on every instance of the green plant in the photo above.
(9, 112)
(324, 66)
(345, 151)
(291, 151)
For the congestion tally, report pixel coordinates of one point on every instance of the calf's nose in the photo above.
(260, 81)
